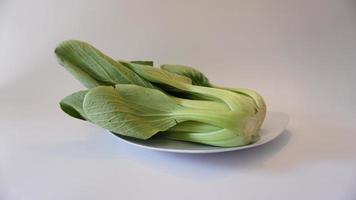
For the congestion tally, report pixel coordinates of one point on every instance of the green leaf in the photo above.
(130, 110)
(82, 76)
(143, 62)
(172, 83)
(73, 104)
(82, 57)
(156, 75)
(140, 62)
(197, 77)
(234, 101)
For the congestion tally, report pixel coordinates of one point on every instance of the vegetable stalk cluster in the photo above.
(135, 99)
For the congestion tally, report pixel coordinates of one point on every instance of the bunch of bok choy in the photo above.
(135, 99)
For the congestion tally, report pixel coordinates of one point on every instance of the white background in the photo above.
(300, 55)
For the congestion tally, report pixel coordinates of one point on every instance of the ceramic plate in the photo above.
(272, 127)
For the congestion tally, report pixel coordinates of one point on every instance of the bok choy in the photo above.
(135, 99)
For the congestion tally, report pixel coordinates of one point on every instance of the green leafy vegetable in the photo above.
(138, 100)
(84, 61)
(73, 104)
(130, 110)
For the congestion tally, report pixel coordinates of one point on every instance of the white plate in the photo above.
(272, 127)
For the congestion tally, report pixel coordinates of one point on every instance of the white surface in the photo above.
(273, 126)
(301, 56)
